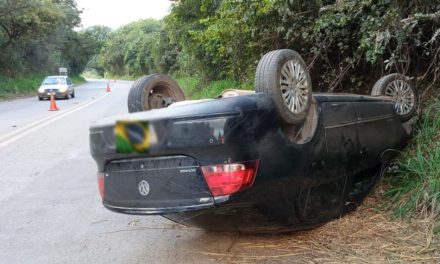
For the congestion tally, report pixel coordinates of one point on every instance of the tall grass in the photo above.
(77, 79)
(25, 85)
(416, 189)
(189, 85)
(19, 85)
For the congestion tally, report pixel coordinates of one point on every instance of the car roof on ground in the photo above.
(56, 76)
(346, 97)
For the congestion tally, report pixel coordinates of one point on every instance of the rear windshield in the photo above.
(54, 80)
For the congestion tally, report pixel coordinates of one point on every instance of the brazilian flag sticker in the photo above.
(132, 136)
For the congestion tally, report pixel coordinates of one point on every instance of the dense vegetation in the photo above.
(134, 50)
(348, 44)
(37, 36)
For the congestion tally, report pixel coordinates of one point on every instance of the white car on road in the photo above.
(61, 86)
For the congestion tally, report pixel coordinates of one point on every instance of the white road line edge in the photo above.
(17, 134)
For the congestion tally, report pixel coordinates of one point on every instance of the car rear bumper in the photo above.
(155, 185)
(212, 132)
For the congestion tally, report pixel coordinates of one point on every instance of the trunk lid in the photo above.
(156, 185)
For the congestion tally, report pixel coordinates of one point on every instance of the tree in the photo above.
(97, 36)
(347, 43)
(129, 50)
(38, 36)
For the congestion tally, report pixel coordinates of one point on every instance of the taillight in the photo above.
(101, 184)
(226, 179)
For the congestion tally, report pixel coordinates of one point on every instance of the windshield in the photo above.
(54, 80)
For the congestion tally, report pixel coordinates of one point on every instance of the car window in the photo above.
(69, 81)
(54, 80)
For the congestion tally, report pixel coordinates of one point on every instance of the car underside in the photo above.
(277, 159)
(298, 179)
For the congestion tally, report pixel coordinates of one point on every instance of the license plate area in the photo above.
(156, 184)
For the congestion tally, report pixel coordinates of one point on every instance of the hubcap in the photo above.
(403, 96)
(156, 100)
(294, 86)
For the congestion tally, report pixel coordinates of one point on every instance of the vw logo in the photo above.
(144, 188)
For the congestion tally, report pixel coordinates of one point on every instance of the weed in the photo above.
(416, 189)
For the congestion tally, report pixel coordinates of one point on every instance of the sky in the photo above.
(116, 13)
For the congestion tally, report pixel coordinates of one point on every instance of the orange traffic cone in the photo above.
(108, 87)
(53, 105)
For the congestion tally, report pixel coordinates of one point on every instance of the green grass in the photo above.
(77, 79)
(11, 87)
(25, 85)
(194, 88)
(415, 191)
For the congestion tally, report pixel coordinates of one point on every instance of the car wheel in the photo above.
(283, 76)
(403, 92)
(40, 98)
(153, 92)
(73, 94)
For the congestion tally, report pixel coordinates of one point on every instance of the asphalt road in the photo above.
(50, 206)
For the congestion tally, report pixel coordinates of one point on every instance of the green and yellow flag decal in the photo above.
(132, 136)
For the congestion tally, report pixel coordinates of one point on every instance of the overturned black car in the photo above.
(279, 159)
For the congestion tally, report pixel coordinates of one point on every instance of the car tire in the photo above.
(283, 76)
(404, 94)
(40, 98)
(153, 92)
(73, 94)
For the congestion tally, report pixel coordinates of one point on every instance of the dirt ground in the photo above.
(13, 96)
(363, 236)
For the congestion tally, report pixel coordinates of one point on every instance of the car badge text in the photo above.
(187, 170)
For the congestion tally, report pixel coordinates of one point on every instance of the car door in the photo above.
(69, 85)
(323, 200)
(377, 131)
(339, 123)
